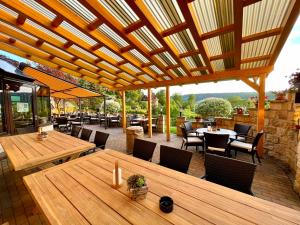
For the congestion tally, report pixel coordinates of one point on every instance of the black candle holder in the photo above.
(166, 204)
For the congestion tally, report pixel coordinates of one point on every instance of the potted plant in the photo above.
(137, 187)
(280, 95)
(239, 110)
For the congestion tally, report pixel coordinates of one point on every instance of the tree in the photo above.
(178, 100)
(112, 106)
(191, 102)
(237, 101)
(214, 107)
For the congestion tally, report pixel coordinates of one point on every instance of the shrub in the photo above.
(214, 107)
(111, 106)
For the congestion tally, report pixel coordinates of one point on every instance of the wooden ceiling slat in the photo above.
(133, 27)
(94, 25)
(57, 21)
(140, 12)
(201, 68)
(217, 32)
(126, 49)
(261, 35)
(21, 19)
(189, 19)
(238, 21)
(175, 29)
(189, 53)
(43, 36)
(172, 67)
(157, 51)
(222, 56)
(254, 59)
(249, 2)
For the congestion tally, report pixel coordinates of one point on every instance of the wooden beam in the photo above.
(199, 68)
(95, 24)
(238, 22)
(12, 40)
(222, 56)
(39, 42)
(184, 6)
(133, 27)
(168, 114)
(149, 112)
(290, 21)
(216, 76)
(249, 2)
(96, 46)
(126, 49)
(217, 32)
(157, 51)
(261, 35)
(146, 64)
(251, 84)
(124, 111)
(172, 67)
(175, 29)
(57, 21)
(254, 59)
(261, 112)
(122, 62)
(68, 44)
(189, 53)
(21, 19)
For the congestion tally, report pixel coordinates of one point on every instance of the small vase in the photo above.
(138, 193)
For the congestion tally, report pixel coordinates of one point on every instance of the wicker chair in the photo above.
(75, 130)
(189, 129)
(242, 131)
(175, 159)
(191, 140)
(143, 149)
(228, 172)
(100, 139)
(62, 124)
(85, 134)
(249, 148)
(216, 143)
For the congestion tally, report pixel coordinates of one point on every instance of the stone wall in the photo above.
(281, 136)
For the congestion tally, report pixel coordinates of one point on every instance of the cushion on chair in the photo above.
(193, 140)
(243, 145)
(241, 138)
(192, 134)
(216, 149)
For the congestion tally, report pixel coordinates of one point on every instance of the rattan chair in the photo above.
(75, 130)
(229, 172)
(249, 148)
(191, 140)
(143, 149)
(62, 124)
(100, 139)
(189, 129)
(242, 131)
(85, 134)
(216, 143)
(175, 159)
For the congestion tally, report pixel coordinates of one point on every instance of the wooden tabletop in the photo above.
(25, 151)
(80, 192)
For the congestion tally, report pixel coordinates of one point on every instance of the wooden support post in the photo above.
(168, 113)
(149, 113)
(261, 112)
(123, 112)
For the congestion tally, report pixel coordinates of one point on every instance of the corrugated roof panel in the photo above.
(107, 80)
(194, 61)
(77, 48)
(40, 9)
(166, 12)
(119, 85)
(256, 64)
(79, 9)
(218, 65)
(79, 61)
(50, 33)
(108, 65)
(89, 73)
(18, 30)
(124, 82)
(110, 54)
(57, 49)
(183, 41)
(121, 11)
(8, 10)
(146, 78)
(132, 67)
(126, 76)
(109, 75)
(138, 82)
(108, 32)
(145, 36)
(258, 48)
(155, 69)
(213, 14)
(179, 72)
(139, 56)
(264, 15)
(78, 33)
(220, 44)
(166, 58)
(167, 78)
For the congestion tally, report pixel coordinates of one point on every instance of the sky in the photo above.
(287, 63)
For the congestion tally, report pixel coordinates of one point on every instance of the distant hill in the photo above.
(243, 95)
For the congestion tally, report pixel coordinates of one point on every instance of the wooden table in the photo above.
(80, 192)
(25, 151)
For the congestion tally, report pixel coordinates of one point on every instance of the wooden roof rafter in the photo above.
(60, 31)
(238, 21)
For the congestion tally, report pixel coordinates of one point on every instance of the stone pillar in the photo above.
(297, 175)
(179, 122)
(160, 124)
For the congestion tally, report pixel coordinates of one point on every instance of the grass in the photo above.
(173, 130)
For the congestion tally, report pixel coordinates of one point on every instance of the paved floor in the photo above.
(17, 207)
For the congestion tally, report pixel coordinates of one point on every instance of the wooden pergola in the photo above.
(141, 44)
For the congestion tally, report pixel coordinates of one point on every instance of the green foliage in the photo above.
(112, 106)
(237, 101)
(136, 181)
(214, 107)
(189, 114)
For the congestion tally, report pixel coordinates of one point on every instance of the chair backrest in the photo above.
(188, 126)
(175, 159)
(209, 123)
(154, 121)
(143, 149)
(256, 139)
(241, 128)
(62, 120)
(229, 172)
(100, 139)
(184, 132)
(85, 134)
(75, 130)
(216, 140)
